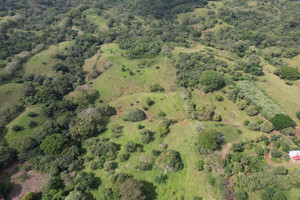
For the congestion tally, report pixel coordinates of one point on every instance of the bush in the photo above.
(124, 157)
(281, 121)
(200, 165)
(210, 139)
(211, 80)
(246, 122)
(241, 195)
(147, 136)
(251, 110)
(253, 126)
(266, 127)
(156, 88)
(289, 73)
(32, 124)
(132, 189)
(161, 178)
(276, 153)
(105, 109)
(135, 115)
(130, 146)
(6, 156)
(17, 128)
(110, 166)
(298, 115)
(32, 114)
(238, 147)
(170, 160)
(288, 131)
(31, 196)
(161, 114)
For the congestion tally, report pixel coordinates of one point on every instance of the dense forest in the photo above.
(149, 99)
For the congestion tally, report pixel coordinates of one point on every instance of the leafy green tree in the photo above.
(86, 126)
(53, 144)
(31, 196)
(132, 189)
(210, 139)
(170, 160)
(211, 80)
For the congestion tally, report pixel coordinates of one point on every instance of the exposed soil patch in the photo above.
(24, 178)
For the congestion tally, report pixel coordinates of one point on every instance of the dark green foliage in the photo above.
(32, 114)
(17, 128)
(170, 160)
(147, 136)
(210, 139)
(53, 144)
(211, 80)
(267, 194)
(86, 126)
(156, 88)
(298, 115)
(110, 165)
(124, 157)
(289, 73)
(135, 115)
(31, 196)
(161, 178)
(281, 170)
(5, 188)
(132, 189)
(281, 121)
(288, 131)
(200, 165)
(32, 124)
(276, 153)
(6, 155)
(86, 182)
(130, 146)
(238, 147)
(161, 114)
(105, 109)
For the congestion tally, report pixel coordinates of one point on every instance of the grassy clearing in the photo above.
(114, 82)
(23, 120)
(99, 21)
(10, 94)
(286, 96)
(187, 182)
(42, 62)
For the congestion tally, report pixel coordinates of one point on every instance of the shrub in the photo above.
(241, 195)
(217, 118)
(253, 126)
(6, 156)
(132, 189)
(251, 110)
(266, 127)
(288, 131)
(130, 146)
(135, 115)
(161, 114)
(32, 114)
(211, 80)
(289, 73)
(281, 121)
(210, 139)
(110, 165)
(105, 109)
(124, 157)
(242, 105)
(246, 122)
(17, 128)
(281, 170)
(156, 88)
(298, 115)
(76, 195)
(32, 124)
(149, 101)
(53, 144)
(170, 160)
(276, 153)
(238, 147)
(161, 178)
(200, 165)
(31, 196)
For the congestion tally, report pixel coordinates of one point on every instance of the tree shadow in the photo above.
(149, 189)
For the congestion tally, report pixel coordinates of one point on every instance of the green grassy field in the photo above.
(23, 120)
(10, 94)
(42, 62)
